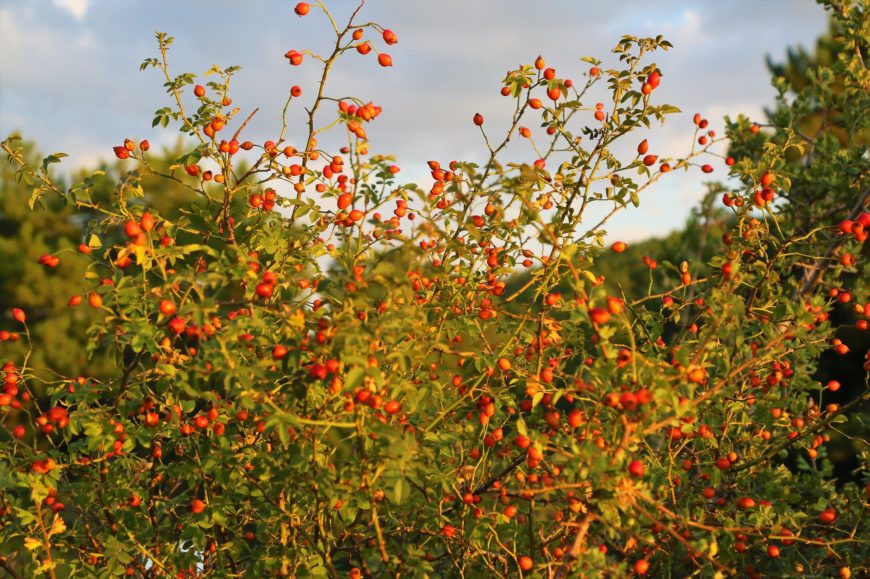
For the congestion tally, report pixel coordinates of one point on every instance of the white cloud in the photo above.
(86, 41)
(35, 51)
(78, 8)
(691, 28)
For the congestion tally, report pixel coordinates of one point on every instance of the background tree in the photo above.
(51, 229)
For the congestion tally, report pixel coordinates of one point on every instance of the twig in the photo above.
(4, 564)
(576, 548)
(244, 124)
(46, 542)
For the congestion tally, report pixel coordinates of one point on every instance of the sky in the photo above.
(70, 79)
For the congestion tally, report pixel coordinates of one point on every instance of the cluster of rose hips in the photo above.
(265, 202)
(354, 116)
(209, 420)
(54, 416)
(49, 260)
(628, 400)
(266, 287)
(373, 400)
(13, 395)
(43, 466)
(859, 228)
(6, 335)
(51, 501)
(124, 151)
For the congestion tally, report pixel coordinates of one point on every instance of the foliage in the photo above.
(25, 236)
(323, 371)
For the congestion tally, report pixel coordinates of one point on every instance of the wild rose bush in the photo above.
(324, 371)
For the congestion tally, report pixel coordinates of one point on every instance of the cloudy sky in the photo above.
(69, 69)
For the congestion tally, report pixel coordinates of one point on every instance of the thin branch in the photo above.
(576, 548)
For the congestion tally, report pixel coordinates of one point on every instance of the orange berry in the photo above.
(641, 567)
(344, 200)
(132, 229)
(95, 300)
(167, 307)
(526, 563)
(146, 222)
(614, 305)
(599, 316)
(828, 516)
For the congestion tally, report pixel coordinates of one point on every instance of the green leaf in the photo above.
(167, 369)
(401, 490)
(34, 197)
(53, 158)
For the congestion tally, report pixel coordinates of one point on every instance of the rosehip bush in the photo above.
(325, 371)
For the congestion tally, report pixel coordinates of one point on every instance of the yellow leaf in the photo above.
(57, 526)
(139, 251)
(589, 275)
(297, 320)
(45, 567)
(32, 543)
